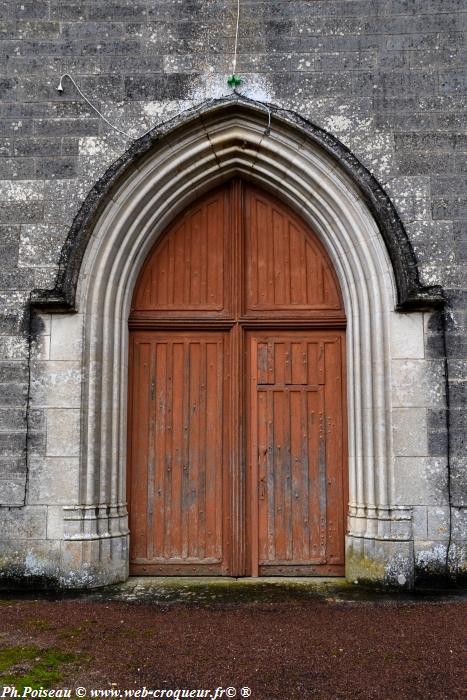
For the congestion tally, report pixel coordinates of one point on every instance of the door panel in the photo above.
(237, 424)
(176, 492)
(287, 269)
(188, 271)
(296, 453)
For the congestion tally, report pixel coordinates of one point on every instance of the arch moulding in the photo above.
(110, 239)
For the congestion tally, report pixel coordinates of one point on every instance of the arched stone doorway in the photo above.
(122, 219)
(237, 430)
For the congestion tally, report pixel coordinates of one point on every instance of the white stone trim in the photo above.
(175, 173)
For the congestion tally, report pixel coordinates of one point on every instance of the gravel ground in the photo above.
(281, 646)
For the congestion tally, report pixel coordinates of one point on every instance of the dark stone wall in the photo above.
(387, 77)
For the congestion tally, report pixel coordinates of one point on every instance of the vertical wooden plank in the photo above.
(322, 469)
(265, 248)
(191, 505)
(262, 363)
(298, 363)
(203, 438)
(297, 266)
(169, 454)
(298, 484)
(271, 477)
(179, 267)
(160, 283)
(195, 260)
(261, 456)
(279, 474)
(287, 472)
(203, 247)
(213, 422)
(156, 477)
(279, 350)
(313, 431)
(278, 297)
(312, 281)
(171, 267)
(178, 437)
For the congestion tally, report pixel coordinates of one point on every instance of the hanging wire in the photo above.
(234, 65)
(192, 110)
(234, 81)
(102, 116)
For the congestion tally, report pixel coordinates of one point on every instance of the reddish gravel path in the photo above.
(295, 649)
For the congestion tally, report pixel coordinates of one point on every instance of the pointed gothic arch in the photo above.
(118, 225)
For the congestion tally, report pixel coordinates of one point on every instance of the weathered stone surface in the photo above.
(386, 77)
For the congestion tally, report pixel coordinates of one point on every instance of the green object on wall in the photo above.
(234, 81)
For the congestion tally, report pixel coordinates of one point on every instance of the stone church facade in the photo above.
(350, 122)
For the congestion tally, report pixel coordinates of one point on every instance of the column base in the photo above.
(387, 563)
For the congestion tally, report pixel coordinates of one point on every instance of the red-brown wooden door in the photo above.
(295, 453)
(237, 435)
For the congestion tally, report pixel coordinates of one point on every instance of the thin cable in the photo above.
(234, 64)
(60, 89)
(193, 109)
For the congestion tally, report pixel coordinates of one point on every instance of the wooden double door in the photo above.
(237, 427)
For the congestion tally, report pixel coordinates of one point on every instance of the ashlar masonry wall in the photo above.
(385, 77)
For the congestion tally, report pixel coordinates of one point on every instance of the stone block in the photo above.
(410, 432)
(75, 11)
(379, 562)
(58, 167)
(418, 163)
(40, 348)
(12, 492)
(55, 522)
(418, 383)
(53, 128)
(21, 213)
(34, 564)
(437, 443)
(459, 523)
(432, 40)
(438, 522)
(12, 418)
(12, 444)
(420, 522)
(31, 9)
(17, 168)
(13, 394)
(175, 86)
(13, 347)
(28, 523)
(449, 208)
(120, 10)
(420, 481)
(14, 371)
(41, 244)
(42, 29)
(453, 81)
(66, 339)
(407, 336)
(63, 432)
(56, 384)
(393, 83)
(430, 559)
(53, 480)
(8, 88)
